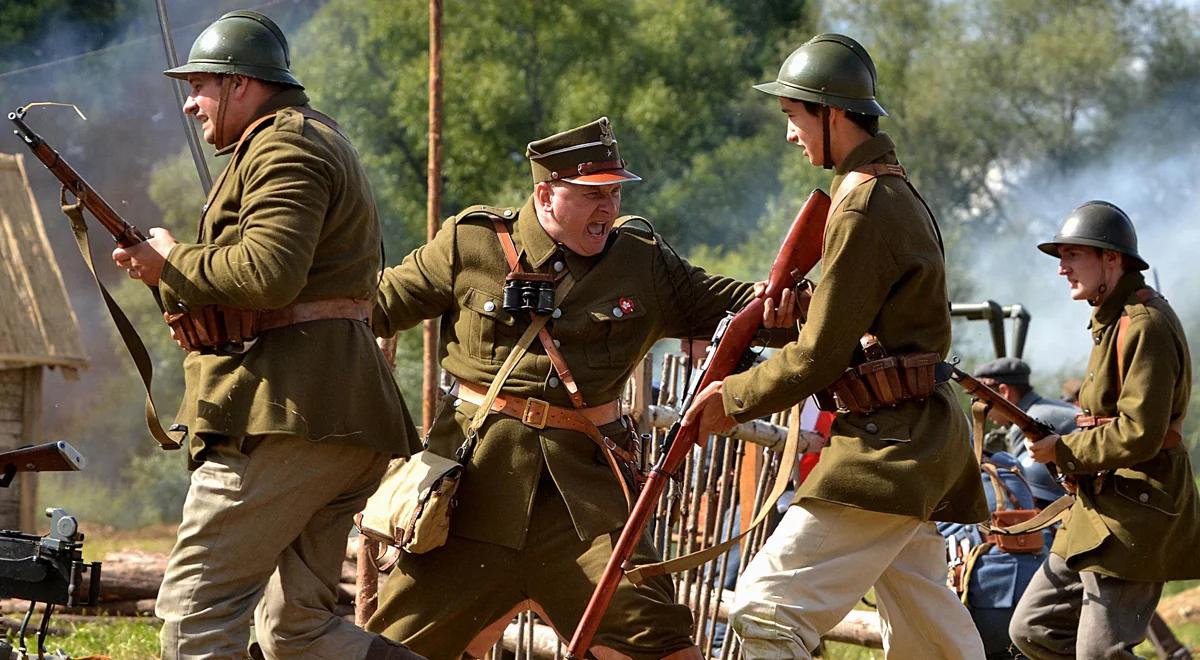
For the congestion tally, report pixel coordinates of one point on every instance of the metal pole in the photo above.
(189, 126)
(433, 207)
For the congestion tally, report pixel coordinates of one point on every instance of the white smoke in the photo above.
(1160, 195)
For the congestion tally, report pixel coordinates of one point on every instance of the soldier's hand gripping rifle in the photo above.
(125, 234)
(800, 251)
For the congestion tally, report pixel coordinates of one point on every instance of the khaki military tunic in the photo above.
(291, 219)
(1142, 520)
(883, 272)
(624, 300)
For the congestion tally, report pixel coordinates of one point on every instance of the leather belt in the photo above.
(316, 310)
(540, 414)
(1172, 439)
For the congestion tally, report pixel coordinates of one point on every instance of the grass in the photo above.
(123, 638)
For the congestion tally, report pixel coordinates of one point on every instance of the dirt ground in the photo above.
(1183, 607)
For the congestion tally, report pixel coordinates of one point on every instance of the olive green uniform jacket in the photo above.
(1143, 521)
(883, 272)
(623, 301)
(291, 219)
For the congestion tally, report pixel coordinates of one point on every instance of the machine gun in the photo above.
(45, 569)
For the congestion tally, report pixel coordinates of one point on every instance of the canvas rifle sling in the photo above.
(133, 343)
(787, 465)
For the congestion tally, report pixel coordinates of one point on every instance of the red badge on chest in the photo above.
(626, 305)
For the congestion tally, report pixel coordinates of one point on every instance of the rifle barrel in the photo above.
(124, 233)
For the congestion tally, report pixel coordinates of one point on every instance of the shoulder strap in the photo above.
(1144, 296)
(861, 175)
(857, 177)
(555, 355)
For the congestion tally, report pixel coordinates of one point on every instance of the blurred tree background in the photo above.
(1007, 113)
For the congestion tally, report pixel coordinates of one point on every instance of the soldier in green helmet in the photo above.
(541, 501)
(898, 459)
(1135, 521)
(278, 288)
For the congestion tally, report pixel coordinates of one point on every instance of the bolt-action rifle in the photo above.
(731, 342)
(125, 234)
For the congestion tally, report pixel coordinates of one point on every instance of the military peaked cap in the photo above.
(585, 155)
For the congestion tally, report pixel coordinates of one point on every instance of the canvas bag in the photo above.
(411, 508)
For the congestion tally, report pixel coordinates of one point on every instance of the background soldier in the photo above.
(863, 516)
(539, 507)
(1010, 377)
(1136, 521)
(283, 460)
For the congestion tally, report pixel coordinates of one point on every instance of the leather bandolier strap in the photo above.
(555, 355)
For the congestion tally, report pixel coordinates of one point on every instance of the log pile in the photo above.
(129, 581)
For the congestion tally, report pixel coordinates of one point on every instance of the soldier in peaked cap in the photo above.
(1010, 377)
(1135, 521)
(277, 287)
(897, 461)
(541, 499)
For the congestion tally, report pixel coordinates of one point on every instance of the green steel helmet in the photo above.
(829, 69)
(241, 42)
(1100, 225)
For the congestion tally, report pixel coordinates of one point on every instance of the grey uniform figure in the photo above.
(1010, 376)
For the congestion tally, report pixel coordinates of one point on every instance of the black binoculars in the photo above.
(529, 292)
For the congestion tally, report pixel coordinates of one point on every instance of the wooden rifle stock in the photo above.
(1008, 411)
(124, 233)
(801, 250)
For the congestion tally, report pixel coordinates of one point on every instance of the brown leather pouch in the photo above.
(1015, 543)
(883, 377)
(852, 393)
(917, 374)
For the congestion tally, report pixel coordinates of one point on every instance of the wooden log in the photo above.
(131, 575)
(859, 627)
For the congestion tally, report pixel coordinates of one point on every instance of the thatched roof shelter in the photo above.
(37, 325)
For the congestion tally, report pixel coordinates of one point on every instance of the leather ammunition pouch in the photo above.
(227, 330)
(881, 381)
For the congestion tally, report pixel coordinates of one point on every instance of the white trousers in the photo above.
(821, 560)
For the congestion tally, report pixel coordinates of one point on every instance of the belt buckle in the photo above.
(536, 413)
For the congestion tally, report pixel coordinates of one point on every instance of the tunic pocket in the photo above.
(491, 331)
(615, 337)
(1148, 492)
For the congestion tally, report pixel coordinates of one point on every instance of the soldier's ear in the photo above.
(543, 191)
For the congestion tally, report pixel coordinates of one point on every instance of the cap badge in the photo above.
(626, 304)
(606, 134)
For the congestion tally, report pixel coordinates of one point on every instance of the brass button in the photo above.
(1070, 465)
(457, 402)
(557, 313)
(553, 382)
(508, 213)
(489, 306)
(872, 427)
(557, 343)
(558, 266)
(1144, 497)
